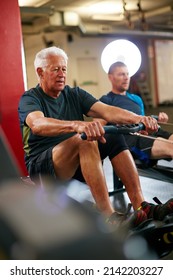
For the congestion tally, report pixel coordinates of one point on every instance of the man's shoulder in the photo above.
(133, 96)
(30, 95)
(31, 91)
(138, 100)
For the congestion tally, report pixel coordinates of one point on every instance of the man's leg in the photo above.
(149, 150)
(66, 158)
(123, 165)
(125, 168)
(162, 148)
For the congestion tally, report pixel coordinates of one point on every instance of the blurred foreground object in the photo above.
(8, 165)
(38, 223)
(47, 224)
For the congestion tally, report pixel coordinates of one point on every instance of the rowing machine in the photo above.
(158, 234)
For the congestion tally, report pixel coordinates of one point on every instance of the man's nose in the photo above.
(60, 72)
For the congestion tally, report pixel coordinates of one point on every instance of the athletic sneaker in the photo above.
(159, 211)
(128, 220)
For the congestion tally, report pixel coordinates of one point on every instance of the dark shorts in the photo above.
(43, 165)
(140, 147)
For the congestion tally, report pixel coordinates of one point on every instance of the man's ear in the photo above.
(110, 77)
(39, 71)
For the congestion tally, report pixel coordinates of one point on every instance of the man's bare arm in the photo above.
(116, 115)
(43, 126)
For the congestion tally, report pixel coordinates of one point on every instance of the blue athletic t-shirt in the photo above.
(130, 102)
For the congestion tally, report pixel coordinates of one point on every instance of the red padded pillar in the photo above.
(11, 76)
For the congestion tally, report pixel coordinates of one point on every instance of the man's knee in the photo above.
(73, 146)
(114, 145)
(89, 145)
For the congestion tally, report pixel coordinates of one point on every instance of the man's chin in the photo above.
(59, 88)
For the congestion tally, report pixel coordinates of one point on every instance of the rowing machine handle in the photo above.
(120, 129)
(155, 117)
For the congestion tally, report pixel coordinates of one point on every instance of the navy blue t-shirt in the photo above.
(130, 102)
(72, 104)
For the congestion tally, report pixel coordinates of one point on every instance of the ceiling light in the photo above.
(32, 3)
(103, 7)
(106, 7)
(119, 17)
(71, 19)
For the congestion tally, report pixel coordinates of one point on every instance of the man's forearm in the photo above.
(51, 127)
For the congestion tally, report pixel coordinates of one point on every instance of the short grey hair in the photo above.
(41, 56)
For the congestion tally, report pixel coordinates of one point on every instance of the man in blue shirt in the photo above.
(146, 149)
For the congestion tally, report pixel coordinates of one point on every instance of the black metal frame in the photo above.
(157, 172)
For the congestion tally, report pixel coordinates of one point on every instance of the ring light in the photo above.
(124, 51)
